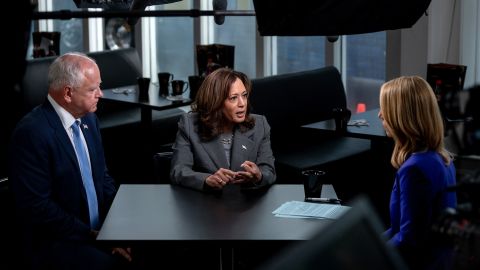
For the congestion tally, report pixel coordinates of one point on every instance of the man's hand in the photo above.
(124, 252)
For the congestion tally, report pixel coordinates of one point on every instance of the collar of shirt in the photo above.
(65, 117)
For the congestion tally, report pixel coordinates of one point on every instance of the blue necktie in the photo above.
(86, 176)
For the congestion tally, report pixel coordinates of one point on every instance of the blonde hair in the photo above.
(411, 113)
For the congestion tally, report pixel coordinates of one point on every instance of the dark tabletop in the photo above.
(173, 213)
(130, 94)
(374, 130)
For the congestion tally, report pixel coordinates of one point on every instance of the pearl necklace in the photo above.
(227, 140)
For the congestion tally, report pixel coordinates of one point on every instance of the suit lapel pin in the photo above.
(244, 147)
(85, 126)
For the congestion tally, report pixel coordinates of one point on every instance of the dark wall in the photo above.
(15, 42)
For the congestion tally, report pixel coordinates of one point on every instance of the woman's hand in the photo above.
(220, 178)
(251, 174)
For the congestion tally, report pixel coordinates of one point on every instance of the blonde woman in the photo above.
(411, 116)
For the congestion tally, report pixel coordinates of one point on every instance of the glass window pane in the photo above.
(174, 44)
(71, 38)
(300, 53)
(365, 69)
(240, 32)
(30, 40)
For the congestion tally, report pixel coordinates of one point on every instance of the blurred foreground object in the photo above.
(335, 17)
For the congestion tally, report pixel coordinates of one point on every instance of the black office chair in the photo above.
(34, 85)
(161, 166)
(471, 133)
(118, 68)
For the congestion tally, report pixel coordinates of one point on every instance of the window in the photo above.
(174, 43)
(470, 41)
(299, 53)
(240, 32)
(71, 31)
(71, 38)
(169, 44)
(364, 68)
(363, 65)
(175, 39)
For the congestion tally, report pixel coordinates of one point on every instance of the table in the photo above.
(143, 212)
(374, 131)
(130, 94)
(377, 168)
(171, 216)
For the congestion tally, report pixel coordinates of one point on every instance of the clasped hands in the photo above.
(224, 176)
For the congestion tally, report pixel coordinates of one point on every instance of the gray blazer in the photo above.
(194, 160)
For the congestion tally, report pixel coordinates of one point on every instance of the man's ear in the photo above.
(67, 93)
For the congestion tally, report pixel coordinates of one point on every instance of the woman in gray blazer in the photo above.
(220, 142)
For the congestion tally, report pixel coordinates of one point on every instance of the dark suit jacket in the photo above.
(46, 180)
(194, 160)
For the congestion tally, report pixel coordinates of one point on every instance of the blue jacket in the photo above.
(418, 198)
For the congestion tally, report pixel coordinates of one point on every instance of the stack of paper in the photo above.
(299, 209)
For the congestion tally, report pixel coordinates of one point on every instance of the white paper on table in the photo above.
(315, 210)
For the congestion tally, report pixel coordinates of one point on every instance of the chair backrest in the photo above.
(118, 67)
(295, 99)
(471, 131)
(34, 85)
(161, 166)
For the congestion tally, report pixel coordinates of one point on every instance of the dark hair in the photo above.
(210, 100)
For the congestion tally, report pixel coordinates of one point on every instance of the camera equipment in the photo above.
(461, 226)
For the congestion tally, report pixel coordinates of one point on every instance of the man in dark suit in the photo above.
(61, 196)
